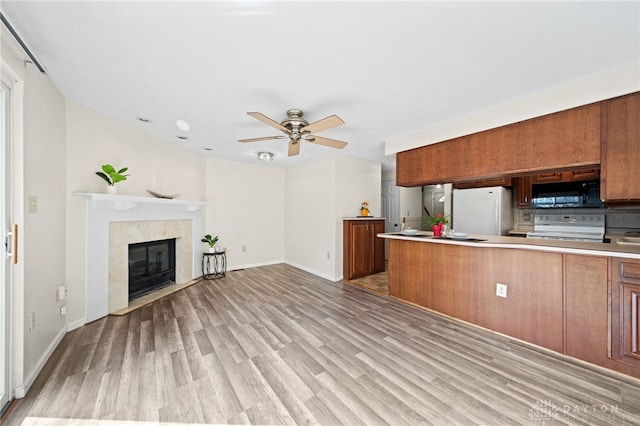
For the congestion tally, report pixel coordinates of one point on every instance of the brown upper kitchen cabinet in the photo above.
(506, 181)
(523, 191)
(620, 179)
(560, 141)
(363, 251)
(580, 174)
(547, 177)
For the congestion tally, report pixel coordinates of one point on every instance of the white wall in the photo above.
(357, 180)
(93, 140)
(606, 85)
(246, 209)
(42, 247)
(319, 193)
(44, 182)
(309, 216)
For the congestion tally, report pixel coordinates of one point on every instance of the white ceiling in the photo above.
(386, 68)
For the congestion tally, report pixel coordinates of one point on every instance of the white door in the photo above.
(390, 208)
(5, 269)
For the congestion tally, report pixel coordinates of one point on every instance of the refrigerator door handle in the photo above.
(498, 216)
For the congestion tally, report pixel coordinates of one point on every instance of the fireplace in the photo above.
(151, 266)
(115, 221)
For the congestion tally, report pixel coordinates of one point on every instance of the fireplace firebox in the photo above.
(151, 266)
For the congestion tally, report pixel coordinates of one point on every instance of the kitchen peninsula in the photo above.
(576, 298)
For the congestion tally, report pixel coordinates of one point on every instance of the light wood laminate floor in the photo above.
(276, 345)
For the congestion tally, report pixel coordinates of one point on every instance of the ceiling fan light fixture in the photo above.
(265, 156)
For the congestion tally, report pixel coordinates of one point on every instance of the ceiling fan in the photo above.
(297, 129)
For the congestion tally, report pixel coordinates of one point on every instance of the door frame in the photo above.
(390, 224)
(14, 353)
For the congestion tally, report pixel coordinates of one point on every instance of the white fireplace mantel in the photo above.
(104, 209)
(128, 202)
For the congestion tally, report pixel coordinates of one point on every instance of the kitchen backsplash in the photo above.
(618, 220)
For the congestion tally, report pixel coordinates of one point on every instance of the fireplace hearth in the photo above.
(151, 266)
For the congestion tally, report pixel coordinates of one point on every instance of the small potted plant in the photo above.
(211, 241)
(111, 176)
(437, 222)
(364, 209)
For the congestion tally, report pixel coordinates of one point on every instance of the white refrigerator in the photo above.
(486, 211)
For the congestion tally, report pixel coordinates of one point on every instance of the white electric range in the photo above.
(569, 227)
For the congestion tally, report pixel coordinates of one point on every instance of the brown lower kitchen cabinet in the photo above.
(584, 306)
(363, 251)
(587, 308)
(625, 311)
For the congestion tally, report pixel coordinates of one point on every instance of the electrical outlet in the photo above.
(63, 310)
(501, 290)
(244, 248)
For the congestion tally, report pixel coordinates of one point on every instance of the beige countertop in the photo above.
(363, 218)
(612, 249)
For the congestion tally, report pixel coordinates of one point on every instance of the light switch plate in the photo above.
(33, 204)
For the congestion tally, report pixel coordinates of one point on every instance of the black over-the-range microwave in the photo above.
(566, 194)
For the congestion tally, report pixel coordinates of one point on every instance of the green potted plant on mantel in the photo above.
(112, 176)
(211, 241)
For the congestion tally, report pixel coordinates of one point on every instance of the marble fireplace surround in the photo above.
(115, 221)
(121, 234)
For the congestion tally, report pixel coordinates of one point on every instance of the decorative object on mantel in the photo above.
(364, 209)
(111, 176)
(211, 241)
(438, 222)
(158, 195)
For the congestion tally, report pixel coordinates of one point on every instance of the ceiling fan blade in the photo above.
(325, 141)
(326, 123)
(294, 148)
(267, 120)
(264, 138)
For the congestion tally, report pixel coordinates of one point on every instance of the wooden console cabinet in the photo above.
(363, 251)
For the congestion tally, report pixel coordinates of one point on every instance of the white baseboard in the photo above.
(312, 271)
(22, 389)
(275, 262)
(254, 265)
(76, 324)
